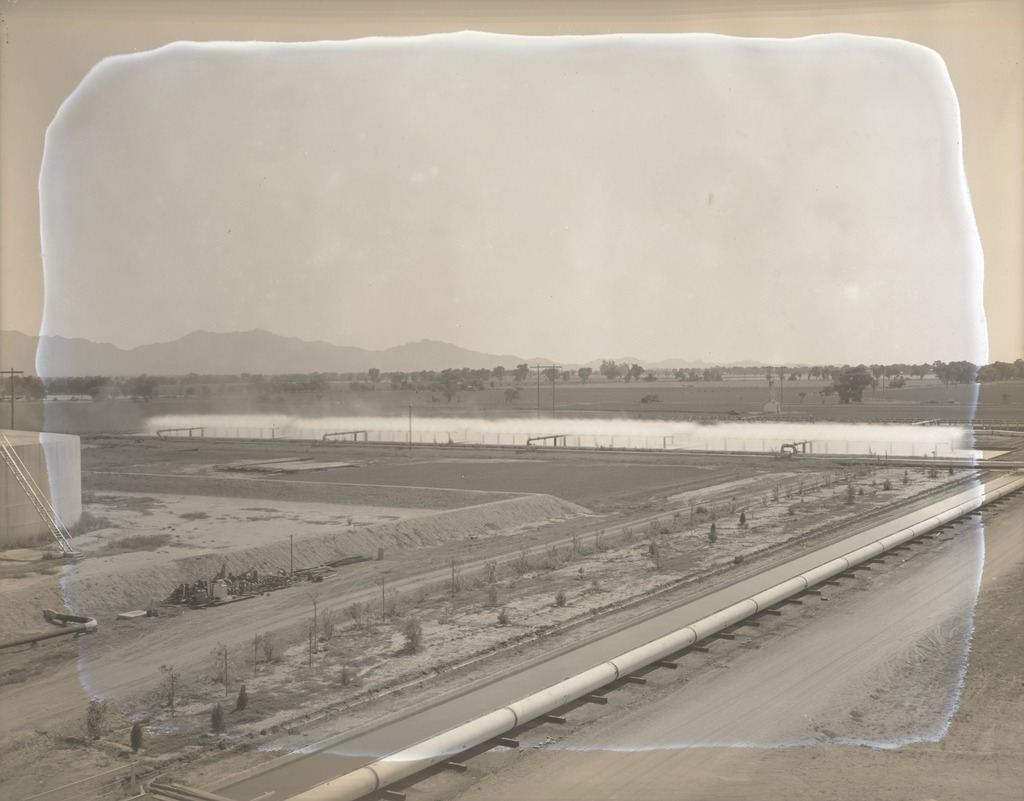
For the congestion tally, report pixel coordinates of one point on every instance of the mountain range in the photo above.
(257, 352)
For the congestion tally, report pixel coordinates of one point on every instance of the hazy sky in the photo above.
(790, 200)
(659, 196)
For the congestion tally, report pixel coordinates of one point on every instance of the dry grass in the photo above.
(135, 542)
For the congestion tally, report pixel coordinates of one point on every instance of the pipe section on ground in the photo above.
(442, 747)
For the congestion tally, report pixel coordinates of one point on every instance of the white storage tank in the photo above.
(54, 462)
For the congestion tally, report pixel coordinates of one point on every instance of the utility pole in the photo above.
(538, 392)
(291, 555)
(13, 373)
(538, 368)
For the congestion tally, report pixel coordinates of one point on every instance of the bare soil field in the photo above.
(487, 582)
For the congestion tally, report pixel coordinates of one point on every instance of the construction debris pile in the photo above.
(227, 588)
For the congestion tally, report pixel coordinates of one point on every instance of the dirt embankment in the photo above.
(106, 586)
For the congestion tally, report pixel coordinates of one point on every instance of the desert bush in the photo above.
(503, 616)
(393, 605)
(96, 718)
(217, 719)
(492, 595)
(135, 738)
(561, 598)
(887, 485)
(412, 631)
(359, 614)
(491, 569)
(522, 563)
(327, 623)
(242, 701)
(654, 551)
(713, 534)
(743, 518)
(169, 684)
(346, 677)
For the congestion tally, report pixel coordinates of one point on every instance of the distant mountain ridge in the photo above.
(256, 352)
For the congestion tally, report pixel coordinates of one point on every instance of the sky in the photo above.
(689, 196)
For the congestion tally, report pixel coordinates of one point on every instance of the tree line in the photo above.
(846, 381)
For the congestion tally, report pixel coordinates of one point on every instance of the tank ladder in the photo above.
(35, 495)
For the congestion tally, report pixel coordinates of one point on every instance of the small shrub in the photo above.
(217, 719)
(243, 699)
(393, 605)
(654, 551)
(743, 518)
(413, 633)
(906, 477)
(851, 494)
(359, 614)
(492, 595)
(346, 677)
(713, 534)
(267, 647)
(96, 718)
(887, 485)
(135, 738)
(560, 598)
(327, 623)
(503, 616)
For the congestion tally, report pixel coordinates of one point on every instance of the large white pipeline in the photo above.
(439, 748)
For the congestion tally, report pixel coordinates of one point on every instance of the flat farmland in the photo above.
(920, 399)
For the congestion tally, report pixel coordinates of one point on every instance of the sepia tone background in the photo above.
(48, 46)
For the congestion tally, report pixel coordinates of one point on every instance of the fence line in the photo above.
(675, 442)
